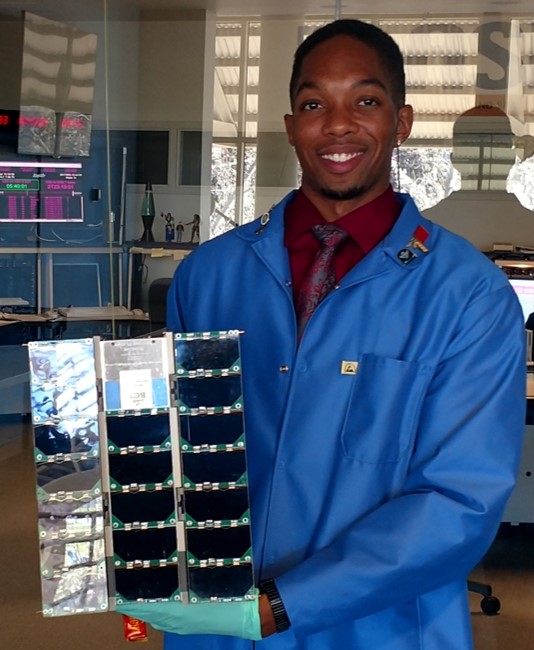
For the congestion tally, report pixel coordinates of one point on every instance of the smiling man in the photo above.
(384, 377)
(347, 118)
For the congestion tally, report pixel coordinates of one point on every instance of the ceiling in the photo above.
(93, 9)
(352, 7)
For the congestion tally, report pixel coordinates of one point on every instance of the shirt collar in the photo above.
(366, 225)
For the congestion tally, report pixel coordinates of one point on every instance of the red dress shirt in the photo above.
(366, 226)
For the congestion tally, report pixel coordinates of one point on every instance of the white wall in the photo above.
(11, 55)
(485, 218)
(171, 70)
(172, 94)
(122, 74)
(277, 164)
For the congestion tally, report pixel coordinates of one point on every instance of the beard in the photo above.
(342, 195)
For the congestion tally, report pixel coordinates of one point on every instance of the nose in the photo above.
(340, 121)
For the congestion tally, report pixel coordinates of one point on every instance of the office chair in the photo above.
(490, 604)
(157, 302)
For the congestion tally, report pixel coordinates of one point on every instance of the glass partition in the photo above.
(188, 103)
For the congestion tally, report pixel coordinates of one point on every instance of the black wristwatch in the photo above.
(281, 618)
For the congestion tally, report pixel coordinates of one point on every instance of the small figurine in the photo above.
(195, 230)
(169, 228)
(179, 232)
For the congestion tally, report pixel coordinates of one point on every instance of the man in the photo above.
(383, 429)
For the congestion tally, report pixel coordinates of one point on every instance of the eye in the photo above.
(311, 105)
(368, 101)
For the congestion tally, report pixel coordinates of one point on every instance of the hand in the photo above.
(239, 619)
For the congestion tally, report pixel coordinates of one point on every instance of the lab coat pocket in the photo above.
(383, 409)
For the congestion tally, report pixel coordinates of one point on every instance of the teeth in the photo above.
(340, 157)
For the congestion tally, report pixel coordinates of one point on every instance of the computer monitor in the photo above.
(49, 192)
(524, 288)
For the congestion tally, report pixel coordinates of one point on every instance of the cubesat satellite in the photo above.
(141, 471)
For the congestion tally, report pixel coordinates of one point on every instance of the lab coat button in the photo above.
(284, 368)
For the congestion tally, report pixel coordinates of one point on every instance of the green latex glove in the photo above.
(240, 619)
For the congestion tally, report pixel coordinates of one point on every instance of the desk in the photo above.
(72, 314)
(13, 302)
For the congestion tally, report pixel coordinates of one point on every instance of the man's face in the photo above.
(345, 125)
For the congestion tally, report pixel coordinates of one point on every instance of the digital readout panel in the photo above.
(41, 191)
(141, 471)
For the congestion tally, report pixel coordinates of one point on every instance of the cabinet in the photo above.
(520, 507)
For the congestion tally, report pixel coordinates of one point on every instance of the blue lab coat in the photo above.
(372, 494)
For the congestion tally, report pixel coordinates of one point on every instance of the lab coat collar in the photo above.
(408, 243)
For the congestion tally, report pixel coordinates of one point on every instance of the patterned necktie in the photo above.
(321, 278)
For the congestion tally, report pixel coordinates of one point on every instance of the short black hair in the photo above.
(388, 51)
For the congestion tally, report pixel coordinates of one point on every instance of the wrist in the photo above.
(273, 614)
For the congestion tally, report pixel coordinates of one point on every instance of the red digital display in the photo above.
(9, 121)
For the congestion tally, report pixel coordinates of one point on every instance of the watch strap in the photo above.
(281, 618)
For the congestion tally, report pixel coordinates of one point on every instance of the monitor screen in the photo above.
(49, 192)
(524, 289)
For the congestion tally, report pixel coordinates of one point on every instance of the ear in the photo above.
(404, 123)
(288, 121)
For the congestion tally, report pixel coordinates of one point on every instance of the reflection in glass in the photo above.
(426, 173)
(62, 363)
(520, 182)
(69, 476)
(58, 557)
(77, 436)
(79, 590)
(80, 527)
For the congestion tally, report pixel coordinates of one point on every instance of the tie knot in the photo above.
(330, 235)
